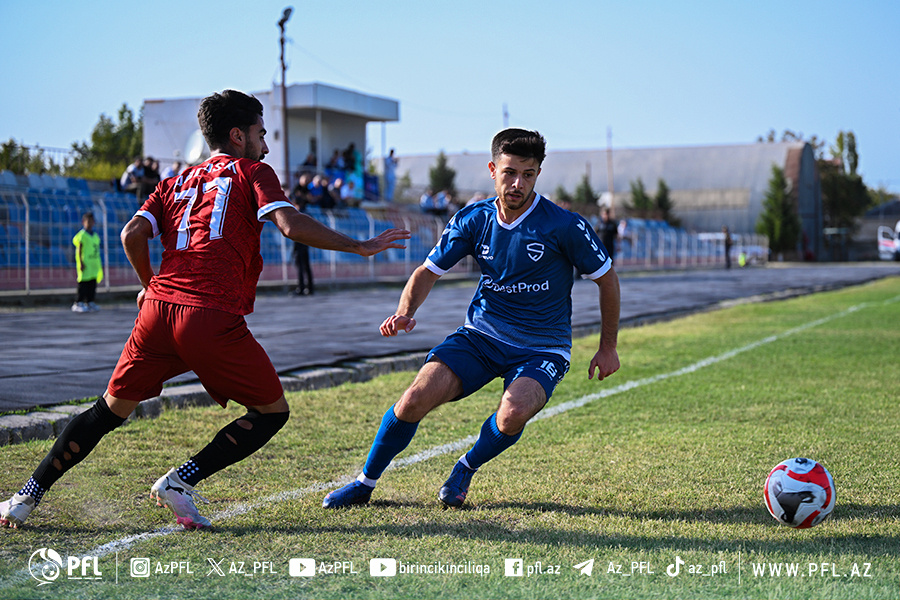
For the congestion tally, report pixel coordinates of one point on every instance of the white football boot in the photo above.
(169, 490)
(14, 511)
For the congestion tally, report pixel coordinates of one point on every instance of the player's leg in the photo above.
(142, 368)
(528, 388)
(232, 444)
(76, 441)
(235, 368)
(523, 399)
(435, 384)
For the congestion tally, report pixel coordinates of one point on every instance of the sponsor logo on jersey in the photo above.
(515, 288)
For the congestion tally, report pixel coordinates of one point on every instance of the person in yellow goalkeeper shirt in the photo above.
(88, 265)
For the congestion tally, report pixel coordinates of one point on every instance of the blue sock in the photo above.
(490, 443)
(393, 436)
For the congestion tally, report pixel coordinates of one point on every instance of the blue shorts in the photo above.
(478, 359)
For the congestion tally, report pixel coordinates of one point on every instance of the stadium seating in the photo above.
(8, 178)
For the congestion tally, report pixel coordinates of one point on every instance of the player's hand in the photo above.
(394, 324)
(605, 363)
(140, 298)
(383, 241)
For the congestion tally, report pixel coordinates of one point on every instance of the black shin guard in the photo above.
(238, 440)
(76, 441)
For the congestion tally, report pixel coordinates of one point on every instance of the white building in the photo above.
(321, 119)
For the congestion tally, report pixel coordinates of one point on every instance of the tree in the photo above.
(584, 193)
(441, 176)
(844, 197)
(113, 145)
(21, 159)
(790, 136)
(562, 196)
(664, 205)
(778, 220)
(844, 150)
(641, 203)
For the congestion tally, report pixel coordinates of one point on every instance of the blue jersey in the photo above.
(524, 296)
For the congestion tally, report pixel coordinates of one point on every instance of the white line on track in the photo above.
(459, 445)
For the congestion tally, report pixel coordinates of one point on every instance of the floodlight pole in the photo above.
(609, 170)
(284, 117)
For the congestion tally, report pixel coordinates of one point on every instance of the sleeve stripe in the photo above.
(601, 271)
(262, 212)
(151, 218)
(434, 268)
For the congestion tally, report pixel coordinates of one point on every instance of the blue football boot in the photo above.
(352, 493)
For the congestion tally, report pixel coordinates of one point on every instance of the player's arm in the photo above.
(606, 360)
(304, 229)
(414, 293)
(136, 236)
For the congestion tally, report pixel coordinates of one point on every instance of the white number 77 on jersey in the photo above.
(222, 186)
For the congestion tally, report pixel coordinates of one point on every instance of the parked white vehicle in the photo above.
(889, 242)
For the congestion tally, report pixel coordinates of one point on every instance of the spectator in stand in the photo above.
(172, 170)
(390, 176)
(337, 161)
(426, 201)
(337, 192)
(310, 160)
(320, 195)
(348, 194)
(150, 178)
(442, 203)
(131, 178)
(354, 167)
(350, 157)
(476, 197)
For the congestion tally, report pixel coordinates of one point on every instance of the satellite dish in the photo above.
(195, 149)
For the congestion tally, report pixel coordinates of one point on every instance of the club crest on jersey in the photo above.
(535, 251)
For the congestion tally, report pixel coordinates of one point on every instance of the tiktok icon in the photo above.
(674, 569)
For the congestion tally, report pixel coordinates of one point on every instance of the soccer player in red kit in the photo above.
(191, 315)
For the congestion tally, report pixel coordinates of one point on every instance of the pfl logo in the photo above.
(45, 566)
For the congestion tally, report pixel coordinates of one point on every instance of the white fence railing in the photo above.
(37, 226)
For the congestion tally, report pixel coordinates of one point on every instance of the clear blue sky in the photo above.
(659, 73)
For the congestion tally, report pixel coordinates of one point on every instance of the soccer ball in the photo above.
(799, 492)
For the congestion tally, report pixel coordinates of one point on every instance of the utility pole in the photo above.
(609, 169)
(284, 118)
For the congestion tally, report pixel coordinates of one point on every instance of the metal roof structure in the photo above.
(710, 186)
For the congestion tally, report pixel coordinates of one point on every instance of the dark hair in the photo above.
(87, 215)
(220, 113)
(519, 142)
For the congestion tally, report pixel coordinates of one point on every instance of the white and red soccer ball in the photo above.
(799, 492)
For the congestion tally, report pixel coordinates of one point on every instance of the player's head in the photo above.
(516, 157)
(221, 113)
(519, 142)
(87, 220)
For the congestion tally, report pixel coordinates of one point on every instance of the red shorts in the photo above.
(170, 339)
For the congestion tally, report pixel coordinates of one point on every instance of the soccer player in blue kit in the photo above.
(518, 325)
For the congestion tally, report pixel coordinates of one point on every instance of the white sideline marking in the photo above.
(458, 445)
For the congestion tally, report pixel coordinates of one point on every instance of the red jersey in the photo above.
(209, 220)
